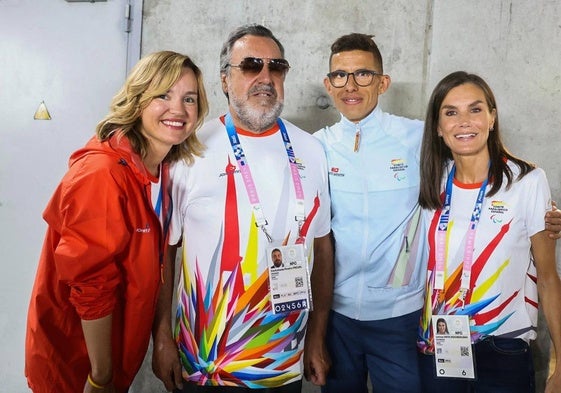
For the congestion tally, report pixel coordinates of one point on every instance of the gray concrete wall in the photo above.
(306, 29)
(513, 44)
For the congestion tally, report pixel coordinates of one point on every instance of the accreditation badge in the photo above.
(453, 353)
(289, 278)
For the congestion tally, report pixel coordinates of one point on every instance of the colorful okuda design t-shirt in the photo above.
(226, 331)
(503, 297)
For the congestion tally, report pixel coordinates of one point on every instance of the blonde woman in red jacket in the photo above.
(99, 273)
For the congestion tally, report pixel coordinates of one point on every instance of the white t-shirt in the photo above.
(503, 299)
(227, 332)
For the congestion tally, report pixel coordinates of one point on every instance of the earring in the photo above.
(491, 129)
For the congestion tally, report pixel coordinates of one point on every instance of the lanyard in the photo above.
(158, 207)
(164, 216)
(245, 171)
(470, 237)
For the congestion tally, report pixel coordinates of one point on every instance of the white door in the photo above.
(73, 56)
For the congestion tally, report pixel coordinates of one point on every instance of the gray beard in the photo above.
(256, 119)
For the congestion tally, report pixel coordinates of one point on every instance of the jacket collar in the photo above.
(369, 129)
(372, 120)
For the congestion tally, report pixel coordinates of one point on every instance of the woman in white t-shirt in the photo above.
(489, 254)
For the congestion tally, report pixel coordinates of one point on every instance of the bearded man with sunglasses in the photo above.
(261, 185)
(373, 160)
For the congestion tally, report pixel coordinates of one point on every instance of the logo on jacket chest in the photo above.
(399, 168)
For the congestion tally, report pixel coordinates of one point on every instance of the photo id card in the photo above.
(453, 354)
(289, 279)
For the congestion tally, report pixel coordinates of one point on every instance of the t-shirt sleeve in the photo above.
(178, 195)
(538, 200)
(324, 213)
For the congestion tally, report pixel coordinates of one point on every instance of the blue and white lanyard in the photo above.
(470, 238)
(245, 171)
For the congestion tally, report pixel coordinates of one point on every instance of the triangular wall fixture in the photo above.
(42, 113)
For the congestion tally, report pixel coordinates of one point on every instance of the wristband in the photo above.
(95, 385)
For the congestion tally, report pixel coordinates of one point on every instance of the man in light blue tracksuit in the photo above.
(373, 160)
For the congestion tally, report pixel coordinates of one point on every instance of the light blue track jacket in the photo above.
(379, 264)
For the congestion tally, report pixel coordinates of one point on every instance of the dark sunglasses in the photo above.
(254, 65)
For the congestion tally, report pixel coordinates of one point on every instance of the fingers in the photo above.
(168, 383)
(178, 378)
(553, 222)
(317, 378)
(165, 363)
(173, 379)
(316, 373)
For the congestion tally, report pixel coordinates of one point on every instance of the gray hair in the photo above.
(242, 31)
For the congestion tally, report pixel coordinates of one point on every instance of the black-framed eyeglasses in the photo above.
(254, 65)
(362, 78)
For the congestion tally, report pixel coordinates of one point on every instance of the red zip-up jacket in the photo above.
(101, 255)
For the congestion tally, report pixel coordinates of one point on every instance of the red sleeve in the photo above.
(92, 219)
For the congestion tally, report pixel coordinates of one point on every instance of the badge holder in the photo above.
(289, 279)
(453, 352)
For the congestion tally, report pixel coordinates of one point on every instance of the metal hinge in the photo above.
(128, 19)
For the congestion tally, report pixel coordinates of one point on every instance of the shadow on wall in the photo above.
(405, 99)
(317, 112)
(313, 119)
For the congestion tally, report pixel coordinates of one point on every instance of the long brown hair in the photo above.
(435, 155)
(152, 76)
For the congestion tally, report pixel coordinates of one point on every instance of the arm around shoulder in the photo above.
(553, 222)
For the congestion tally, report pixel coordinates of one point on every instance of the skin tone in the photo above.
(553, 222)
(165, 361)
(441, 327)
(464, 123)
(255, 104)
(256, 100)
(170, 118)
(276, 256)
(97, 334)
(316, 357)
(167, 120)
(353, 101)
